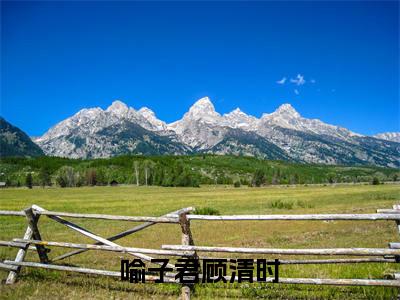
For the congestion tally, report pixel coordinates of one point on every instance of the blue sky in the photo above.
(59, 57)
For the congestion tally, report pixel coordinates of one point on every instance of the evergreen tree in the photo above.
(29, 180)
(44, 176)
(258, 178)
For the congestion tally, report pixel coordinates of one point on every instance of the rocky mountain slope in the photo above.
(283, 134)
(389, 136)
(14, 142)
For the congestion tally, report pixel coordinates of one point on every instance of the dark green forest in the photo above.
(180, 171)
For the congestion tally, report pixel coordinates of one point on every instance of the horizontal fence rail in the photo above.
(112, 217)
(171, 218)
(333, 251)
(32, 241)
(169, 278)
(324, 261)
(20, 243)
(321, 217)
(12, 213)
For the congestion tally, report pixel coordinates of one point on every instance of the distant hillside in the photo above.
(15, 142)
(189, 170)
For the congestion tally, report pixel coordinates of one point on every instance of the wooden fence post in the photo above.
(12, 276)
(32, 222)
(32, 231)
(187, 240)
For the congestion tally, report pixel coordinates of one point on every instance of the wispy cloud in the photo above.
(282, 81)
(299, 80)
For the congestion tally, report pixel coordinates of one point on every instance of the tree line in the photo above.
(170, 171)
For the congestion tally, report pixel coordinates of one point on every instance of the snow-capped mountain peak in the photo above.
(150, 116)
(287, 117)
(236, 111)
(87, 113)
(203, 110)
(284, 116)
(145, 111)
(204, 102)
(201, 107)
(194, 128)
(118, 108)
(238, 119)
(287, 111)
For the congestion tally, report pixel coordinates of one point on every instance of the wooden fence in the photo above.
(32, 241)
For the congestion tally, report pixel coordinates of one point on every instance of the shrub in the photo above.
(236, 184)
(375, 181)
(207, 211)
(258, 178)
(65, 176)
(278, 204)
(304, 204)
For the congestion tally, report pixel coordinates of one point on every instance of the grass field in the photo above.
(155, 201)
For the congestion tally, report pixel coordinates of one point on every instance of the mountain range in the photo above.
(283, 134)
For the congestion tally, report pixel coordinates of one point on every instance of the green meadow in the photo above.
(156, 201)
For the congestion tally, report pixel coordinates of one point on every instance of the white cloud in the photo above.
(282, 81)
(296, 91)
(313, 81)
(299, 80)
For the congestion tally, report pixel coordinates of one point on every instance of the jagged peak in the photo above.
(118, 107)
(288, 110)
(203, 103)
(205, 99)
(203, 109)
(236, 111)
(146, 111)
(150, 116)
(85, 111)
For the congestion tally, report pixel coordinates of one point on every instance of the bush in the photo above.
(278, 204)
(304, 204)
(236, 184)
(375, 181)
(258, 178)
(66, 177)
(207, 211)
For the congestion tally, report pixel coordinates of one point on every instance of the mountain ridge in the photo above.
(15, 142)
(203, 129)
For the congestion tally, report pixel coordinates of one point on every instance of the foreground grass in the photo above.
(156, 201)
